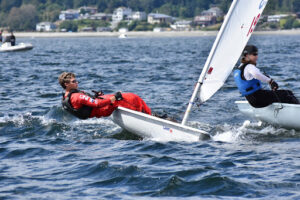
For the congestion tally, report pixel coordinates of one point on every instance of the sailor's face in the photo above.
(73, 84)
(253, 57)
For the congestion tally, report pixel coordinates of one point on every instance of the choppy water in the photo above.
(47, 154)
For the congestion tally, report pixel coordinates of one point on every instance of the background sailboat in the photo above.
(234, 34)
(279, 114)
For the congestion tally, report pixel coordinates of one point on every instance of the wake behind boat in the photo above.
(234, 34)
(6, 47)
(278, 114)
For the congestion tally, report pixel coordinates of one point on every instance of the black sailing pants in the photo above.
(262, 98)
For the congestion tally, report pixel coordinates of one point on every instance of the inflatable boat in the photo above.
(5, 47)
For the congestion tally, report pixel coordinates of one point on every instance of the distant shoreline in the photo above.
(144, 34)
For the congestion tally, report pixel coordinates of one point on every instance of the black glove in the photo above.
(97, 93)
(118, 96)
(274, 86)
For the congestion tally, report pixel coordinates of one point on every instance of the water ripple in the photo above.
(48, 154)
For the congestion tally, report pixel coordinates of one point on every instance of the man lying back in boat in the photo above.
(83, 105)
(248, 79)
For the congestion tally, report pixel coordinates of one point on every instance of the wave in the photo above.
(58, 123)
(252, 132)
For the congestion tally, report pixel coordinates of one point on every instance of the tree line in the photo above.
(24, 14)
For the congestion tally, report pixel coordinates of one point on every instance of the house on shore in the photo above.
(89, 10)
(276, 18)
(70, 14)
(45, 27)
(101, 16)
(205, 20)
(213, 11)
(121, 13)
(157, 18)
(139, 16)
(182, 25)
(208, 17)
(96, 16)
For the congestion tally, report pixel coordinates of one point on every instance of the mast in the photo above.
(207, 63)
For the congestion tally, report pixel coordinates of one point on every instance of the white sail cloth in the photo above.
(231, 40)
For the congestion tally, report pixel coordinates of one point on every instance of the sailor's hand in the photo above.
(112, 99)
(118, 96)
(274, 86)
(97, 93)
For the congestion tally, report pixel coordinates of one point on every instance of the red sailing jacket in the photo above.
(102, 107)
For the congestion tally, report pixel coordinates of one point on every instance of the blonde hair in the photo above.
(65, 77)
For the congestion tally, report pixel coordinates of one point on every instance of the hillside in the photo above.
(24, 14)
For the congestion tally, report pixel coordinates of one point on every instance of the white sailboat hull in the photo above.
(148, 126)
(280, 114)
(123, 36)
(5, 47)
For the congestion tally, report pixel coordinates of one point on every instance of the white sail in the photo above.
(235, 32)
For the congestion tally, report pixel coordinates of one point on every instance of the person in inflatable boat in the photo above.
(249, 82)
(11, 39)
(84, 105)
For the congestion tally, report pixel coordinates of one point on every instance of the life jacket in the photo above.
(245, 87)
(13, 40)
(82, 113)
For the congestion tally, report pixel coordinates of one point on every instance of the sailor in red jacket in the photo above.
(84, 106)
